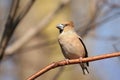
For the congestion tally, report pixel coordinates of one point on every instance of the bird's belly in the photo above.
(71, 49)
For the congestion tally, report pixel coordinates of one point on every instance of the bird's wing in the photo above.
(86, 53)
(63, 51)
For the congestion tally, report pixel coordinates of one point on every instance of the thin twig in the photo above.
(9, 29)
(72, 61)
(11, 24)
(86, 28)
(25, 10)
(93, 22)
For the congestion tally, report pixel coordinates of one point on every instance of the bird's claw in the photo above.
(80, 59)
(67, 61)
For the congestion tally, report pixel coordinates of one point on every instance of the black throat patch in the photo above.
(60, 31)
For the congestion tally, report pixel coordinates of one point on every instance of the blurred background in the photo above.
(28, 37)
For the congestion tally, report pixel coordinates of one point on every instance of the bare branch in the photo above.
(8, 28)
(72, 61)
(25, 10)
(94, 22)
(11, 24)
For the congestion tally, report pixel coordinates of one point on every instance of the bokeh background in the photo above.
(33, 43)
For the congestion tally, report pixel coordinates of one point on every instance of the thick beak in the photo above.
(60, 26)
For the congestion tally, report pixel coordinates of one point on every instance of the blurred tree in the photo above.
(34, 42)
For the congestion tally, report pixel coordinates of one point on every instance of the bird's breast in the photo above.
(71, 46)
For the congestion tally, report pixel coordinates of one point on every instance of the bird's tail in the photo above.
(84, 68)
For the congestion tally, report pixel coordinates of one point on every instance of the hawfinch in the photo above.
(71, 44)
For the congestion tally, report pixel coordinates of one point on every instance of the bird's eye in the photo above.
(66, 24)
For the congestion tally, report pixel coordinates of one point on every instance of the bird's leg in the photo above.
(80, 59)
(84, 68)
(67, 61)
(82, 65)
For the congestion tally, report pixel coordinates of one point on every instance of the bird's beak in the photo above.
(60, 26)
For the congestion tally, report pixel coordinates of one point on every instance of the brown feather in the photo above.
(72, 45)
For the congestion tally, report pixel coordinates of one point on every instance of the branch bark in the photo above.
(72, 61)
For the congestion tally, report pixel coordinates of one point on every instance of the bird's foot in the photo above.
(67, 61)
(80, 59)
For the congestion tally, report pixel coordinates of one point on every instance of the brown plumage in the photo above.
(71, 44)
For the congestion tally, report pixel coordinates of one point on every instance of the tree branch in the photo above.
(72, 61)
(11, 24)
(9, 29)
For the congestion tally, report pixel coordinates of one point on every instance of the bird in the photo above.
(71, 44)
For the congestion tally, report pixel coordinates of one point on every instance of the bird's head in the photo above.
(65, 26)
